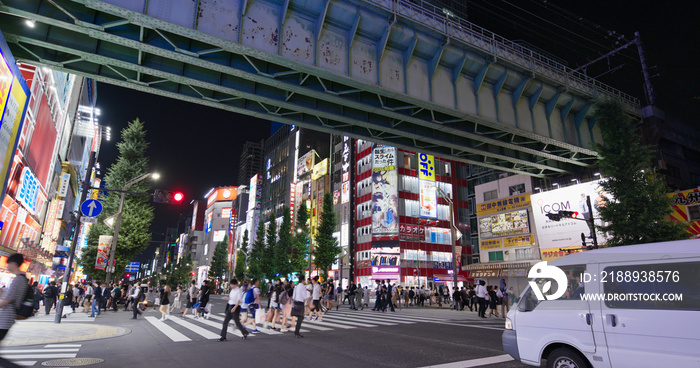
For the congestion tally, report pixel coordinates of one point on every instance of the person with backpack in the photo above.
(50, 293)
(136, 295)
(252, 299)
(286, 302)
(12, 299)
(233, 311)
(203, 299)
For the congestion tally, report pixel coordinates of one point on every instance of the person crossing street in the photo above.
(233, 311)
(299, 296)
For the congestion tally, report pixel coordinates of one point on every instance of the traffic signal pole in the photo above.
(71, 252)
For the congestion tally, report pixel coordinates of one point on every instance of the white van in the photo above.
(622, 307)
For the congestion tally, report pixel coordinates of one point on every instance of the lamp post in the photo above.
(118, 221)
(453, 233)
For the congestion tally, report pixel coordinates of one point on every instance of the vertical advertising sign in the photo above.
(384, 192)
(14, 97)
(426, 167)
(103, 248)
(428, 199)
(686, 208)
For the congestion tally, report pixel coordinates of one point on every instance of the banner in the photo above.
(306, 163)
(501, 224)
(518, 241)
(428, 199)
(426, 167)
(385, 216)
(320, 169)
(686, 208)
(502, 205)
(103, 247)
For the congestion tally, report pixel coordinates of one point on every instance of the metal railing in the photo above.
(433, 17)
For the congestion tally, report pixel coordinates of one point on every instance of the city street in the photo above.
(412, 337)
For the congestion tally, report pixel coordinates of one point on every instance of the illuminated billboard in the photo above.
(320, 169)
(426, 167)
(509, 223)
(428, 199)
(567, 232)
(222, 194)
(385, 216)
(686, 208)
(306, 163)
(14, 96)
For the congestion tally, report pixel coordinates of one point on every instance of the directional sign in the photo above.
(91, 208)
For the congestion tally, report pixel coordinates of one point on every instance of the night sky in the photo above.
(195, 148)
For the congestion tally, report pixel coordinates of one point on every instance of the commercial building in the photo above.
(53, 144)
(250, 162)
(217, 219)
(402, 218)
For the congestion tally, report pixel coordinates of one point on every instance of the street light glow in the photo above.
(155, 176)
(30, 23)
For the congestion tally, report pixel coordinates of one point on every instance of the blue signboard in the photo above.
(133, 267)
(91, 208)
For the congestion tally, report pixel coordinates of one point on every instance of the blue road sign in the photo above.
(133, 267)
(91, 208)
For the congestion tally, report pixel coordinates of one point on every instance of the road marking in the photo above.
(36, 356)
(12, 351)
(167, 330)
(372, 318)
(26, 363)
(342, 319)
(328, 324)
(63, 346)
(475, 362)
(196, 329)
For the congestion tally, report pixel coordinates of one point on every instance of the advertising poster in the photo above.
(426, 167)
(14, 96)
(428, 199)
(306, 163)
(320, 169)
(567, 232)
(686, 208)
(384, 192)
(345, 193)
(219, 235)
(103, 247)
(501, 224)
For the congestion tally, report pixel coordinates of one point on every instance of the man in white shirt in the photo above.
(300, 295)
(136, 294)
(481, 296)
(315, 299)
(88, 297)
(233, 310)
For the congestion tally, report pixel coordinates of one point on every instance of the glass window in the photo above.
(495, 256)
(677, 285)
(516, 189)
(574, 288)
(490, 195)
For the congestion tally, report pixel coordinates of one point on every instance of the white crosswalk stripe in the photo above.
(27, 357)
(188, 329)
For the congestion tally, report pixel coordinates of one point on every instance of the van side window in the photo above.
(664, 286)
(574, 288)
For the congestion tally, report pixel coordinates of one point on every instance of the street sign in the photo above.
(88, 220)
(91, 208)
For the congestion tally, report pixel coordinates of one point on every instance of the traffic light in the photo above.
(561, 214)
(128, 275)
(191, 273)
(167, 196)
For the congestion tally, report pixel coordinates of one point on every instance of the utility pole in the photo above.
(648, 88)
(71, 253)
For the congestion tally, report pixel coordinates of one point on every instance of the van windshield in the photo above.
(547, 286)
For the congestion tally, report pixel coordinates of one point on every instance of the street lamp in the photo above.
(117, 223)
(453, 233)
(576, 180)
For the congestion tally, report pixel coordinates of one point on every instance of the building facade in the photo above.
(250, 162)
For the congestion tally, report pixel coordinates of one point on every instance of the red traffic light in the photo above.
(574, 214)
(191, 273)
(127, 275)
(178, 197)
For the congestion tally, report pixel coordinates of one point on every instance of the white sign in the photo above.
(65, 184)
(219, 235)
(567, 231)
(428, 199)
(88, 220)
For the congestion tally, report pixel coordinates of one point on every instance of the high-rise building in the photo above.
(250, 162)
(402, 217)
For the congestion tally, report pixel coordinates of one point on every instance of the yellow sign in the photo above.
(686, 208)
(517, 241)
(320, 169)
(426, 167)
(554, 253)
(507, 204)
(490, 244)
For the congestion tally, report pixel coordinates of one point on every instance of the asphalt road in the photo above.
(412, 337)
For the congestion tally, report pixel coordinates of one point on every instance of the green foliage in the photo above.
(284, 244)
(270, 245)
(219, 261)
(239, 270)
(256, 266)
(638, 213)
(181, 272)
(137, 215)
(300, 242)
(326, 248)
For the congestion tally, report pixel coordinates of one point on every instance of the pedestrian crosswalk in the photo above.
(30, 356)
(178, 329)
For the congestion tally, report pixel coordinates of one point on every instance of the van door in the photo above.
(567, 319)
(651, 312)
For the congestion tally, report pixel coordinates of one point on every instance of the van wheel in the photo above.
(565, 358)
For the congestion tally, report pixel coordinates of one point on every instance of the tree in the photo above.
(256, 267)
(284, 244)
(300, 244)
(219, 261)
(269, 269)
(239, 269)
(134, 233)
(326, 249)
(181, 274)
(639, 209)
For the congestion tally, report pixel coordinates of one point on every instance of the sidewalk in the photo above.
(41, 329)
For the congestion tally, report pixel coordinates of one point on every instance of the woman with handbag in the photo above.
(286, 302)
